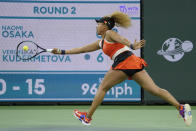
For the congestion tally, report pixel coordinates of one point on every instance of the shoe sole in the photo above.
(188, 116)
(87, 124)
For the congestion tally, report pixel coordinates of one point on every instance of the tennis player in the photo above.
(126, 65)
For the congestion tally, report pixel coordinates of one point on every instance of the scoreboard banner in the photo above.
(64, 25)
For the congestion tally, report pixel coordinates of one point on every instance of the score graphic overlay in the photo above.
(64, 25)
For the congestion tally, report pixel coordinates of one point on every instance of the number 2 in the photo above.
(73, 10)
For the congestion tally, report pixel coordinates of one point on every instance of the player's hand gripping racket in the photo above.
(27, 50)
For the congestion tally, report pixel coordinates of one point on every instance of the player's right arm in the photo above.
(87, 48)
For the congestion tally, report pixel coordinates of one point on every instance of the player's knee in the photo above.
(105, 87)
(155, 90)
(159, 91)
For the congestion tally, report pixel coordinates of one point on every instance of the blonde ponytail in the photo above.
(121, 19)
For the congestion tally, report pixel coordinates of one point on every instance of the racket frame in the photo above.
(37, 53)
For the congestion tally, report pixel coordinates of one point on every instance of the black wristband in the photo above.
(131, 46)
(63, 52)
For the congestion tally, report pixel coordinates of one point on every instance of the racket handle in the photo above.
(49, 50)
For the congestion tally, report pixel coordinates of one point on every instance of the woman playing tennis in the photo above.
(126, 66)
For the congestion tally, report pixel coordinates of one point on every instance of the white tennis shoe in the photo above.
(185, 112)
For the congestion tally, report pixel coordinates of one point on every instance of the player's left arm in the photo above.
(120, 39)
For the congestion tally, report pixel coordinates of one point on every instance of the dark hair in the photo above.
(107, 21)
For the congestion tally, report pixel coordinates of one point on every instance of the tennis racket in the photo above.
(32, 50)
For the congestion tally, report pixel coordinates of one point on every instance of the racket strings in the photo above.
(27, 54)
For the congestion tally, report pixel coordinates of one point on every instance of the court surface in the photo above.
(106, 118)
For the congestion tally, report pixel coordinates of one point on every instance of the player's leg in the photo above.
(112, 78)
(146, 82)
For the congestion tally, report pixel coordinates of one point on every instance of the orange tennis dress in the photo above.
(124, 59)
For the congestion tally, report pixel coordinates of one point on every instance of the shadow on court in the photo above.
(89, 128)
(107, 118)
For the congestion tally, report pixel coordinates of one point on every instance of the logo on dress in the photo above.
(173, 49)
